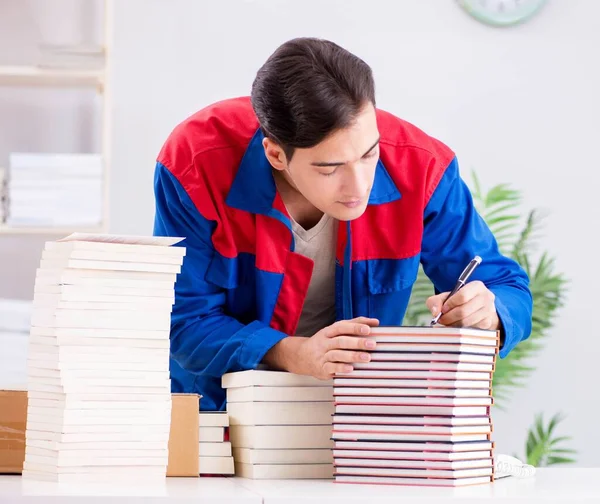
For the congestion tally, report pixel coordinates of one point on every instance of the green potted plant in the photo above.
(516, 238)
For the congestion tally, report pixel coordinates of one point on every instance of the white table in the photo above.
(16, 490)
(548, 485)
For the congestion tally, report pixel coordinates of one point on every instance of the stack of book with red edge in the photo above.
(418, 413)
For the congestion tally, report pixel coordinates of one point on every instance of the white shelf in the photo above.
(8, 230)
(35, 76)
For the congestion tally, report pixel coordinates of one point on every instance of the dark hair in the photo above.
(307, 89)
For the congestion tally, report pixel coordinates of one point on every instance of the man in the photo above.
(305, 211)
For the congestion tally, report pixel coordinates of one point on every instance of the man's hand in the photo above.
(332, 350)
(471, 306)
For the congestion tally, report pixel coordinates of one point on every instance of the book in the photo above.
(412, 480)
(211, 434)
(441, 335)
(452, 465)
(431, 356)
(425, 365)
(425, 382)
(214, 419)
(283, 456)
(279, 394)
(284, 471)
(341, 419)
(407, 392)
(215, 449)
(281, 436)
(420, 449)
(280, 413)
(216, 465)
(414, 458)
(270, 379)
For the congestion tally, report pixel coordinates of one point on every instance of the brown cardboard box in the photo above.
(183, 439)
(13, 419)
(184, 444)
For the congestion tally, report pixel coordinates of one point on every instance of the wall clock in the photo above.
(502, 12)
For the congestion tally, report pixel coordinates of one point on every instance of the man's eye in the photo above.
(328, 174)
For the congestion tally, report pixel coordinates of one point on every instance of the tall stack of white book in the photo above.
(99, 393)
(215, 453)
(54, 189)
(419, 412)
(280, 425)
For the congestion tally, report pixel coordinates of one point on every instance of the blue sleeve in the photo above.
(204, 339)
(453, 234)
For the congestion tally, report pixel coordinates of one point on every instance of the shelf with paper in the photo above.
(23, 75)
(11, 230)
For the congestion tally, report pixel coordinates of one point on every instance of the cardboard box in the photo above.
(13, 419)
(183, 438)
(184, 457)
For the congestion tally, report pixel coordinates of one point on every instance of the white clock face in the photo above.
(502, 12)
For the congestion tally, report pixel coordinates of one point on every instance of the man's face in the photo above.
(336, 175)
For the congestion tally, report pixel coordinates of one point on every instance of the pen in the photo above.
(462, 280)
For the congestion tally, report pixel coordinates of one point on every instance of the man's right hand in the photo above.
(332, 350)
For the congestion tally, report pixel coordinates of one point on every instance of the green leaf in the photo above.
(559, 460)
(541, 447)
(555, 420)
(564, 450)
(560, 440)
(534, 457)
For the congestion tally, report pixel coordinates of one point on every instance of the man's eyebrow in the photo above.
(340, 163)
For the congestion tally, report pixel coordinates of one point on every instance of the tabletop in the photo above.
(548, 485)
(569, 485)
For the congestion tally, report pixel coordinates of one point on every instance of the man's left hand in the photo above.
(471, 306)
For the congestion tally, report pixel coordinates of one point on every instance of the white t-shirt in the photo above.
(318, 244)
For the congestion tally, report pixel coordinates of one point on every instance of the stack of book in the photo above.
(280, 425)
(71, 56)
(215, 453)
(99, 391)
(419, 412)
(15, 318)
(3, 195)
(54, 189)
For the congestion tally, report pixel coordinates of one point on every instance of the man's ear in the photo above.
(274, 154)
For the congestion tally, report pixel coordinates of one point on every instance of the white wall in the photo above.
(519, 105)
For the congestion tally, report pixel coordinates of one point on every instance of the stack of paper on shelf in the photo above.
(71, 56)
(3, 194)
(280, 425)
(54, 189)
(215, 453)
(419, 412)
(98, 367)
(15, 318)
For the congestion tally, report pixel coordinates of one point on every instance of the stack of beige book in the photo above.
(280, 425)
(215, 452)
(99, 395)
